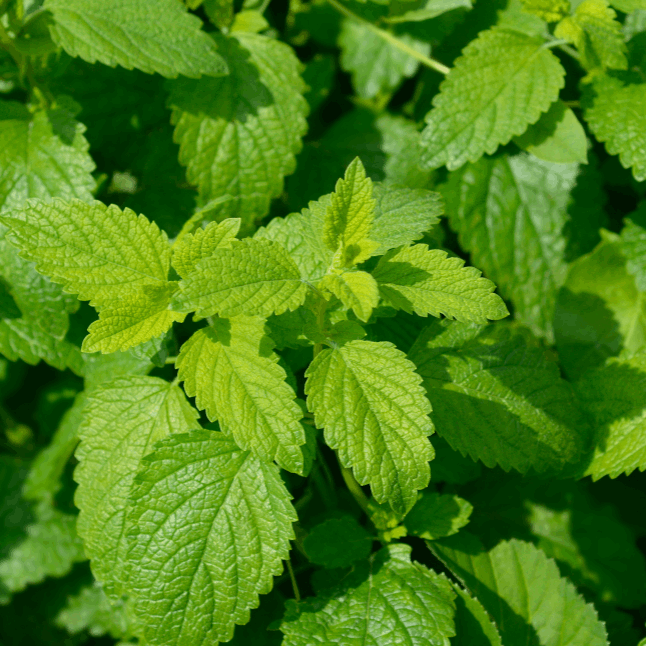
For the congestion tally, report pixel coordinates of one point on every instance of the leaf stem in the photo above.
(393, 40)
(297, 594)
(355, 488)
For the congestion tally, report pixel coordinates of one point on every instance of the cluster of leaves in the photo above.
(253, 389)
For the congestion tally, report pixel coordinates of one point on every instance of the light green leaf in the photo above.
(616, 120)
(134, 319)
(101, 368)
(357, 290)
(388, 600)
(233, 374)
(514, 16)
(406, 11)
(599, 311)
(403, 215)
(249, 21)
(515, 410)
(613, 393)
(192, 248)
(633, 247)
(351, 211)
(123, 33)
(44, 478)
(368, 399)
(596, 34)
(510, 213)
(194, 585)
(627, 6)
(473, 626)
(337, 543)
(254, 277)
(510, 78)
(98, 252)
(376, 65)
(238, 135)
(425, 282)
(549, 10)
(435, 515)
(523, 592)
(50, 549)
(557, 136)
(91, 610)
(121, 422)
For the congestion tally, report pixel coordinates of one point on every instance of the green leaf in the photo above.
(121, 422)
(509, 79)
(514, 16)
(233, 374)
(510, 213)
(101, 368)
(44, 478)
(337, 543)
(357, 290)
(425, 282)
(254, 277)
(435, 515)
(388, 600)
(523, 592)
(50, 549)
(403, 215)
(615, 121)
(134, 319)
(633, 247)
(549, 10)
(515, 410)
(596, 34)
(350, 213)
(15, 512)
(627, 6)
(238, 135)
(473, 626)
(189, 250)
(91, 610)
(599, 311)
(613, 393)
(376, 65)
(85, 248)
(368, 399)
(406, 11)
(557, 136)
(123, 33)
(192, 586)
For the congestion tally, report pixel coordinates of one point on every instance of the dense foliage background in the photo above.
(529, 119)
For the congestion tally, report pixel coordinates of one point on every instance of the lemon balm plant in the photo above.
(255, 389)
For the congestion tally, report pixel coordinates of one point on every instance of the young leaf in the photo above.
(549, 10)
(357, 290)
(134, 319)
(557, 136)
(596, 34)
(389, 600)
(510, 213)
(515, 410)
(254, 277)
(122, 33)
(121, 422)
(368, 399)
(50, 549)
(376, 65)
(500, 85)
(523, 592)
(350, 213)
(238, 135)
(614, 394)
(337, 543)
(192, 248)
(425, 281)
(599, 311)
(435, 516)
(192, 586)
(615, 120)
(233, 374)
(100, 253)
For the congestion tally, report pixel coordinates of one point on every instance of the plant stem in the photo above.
(355, 489)
(393, 40)
(297, 594)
